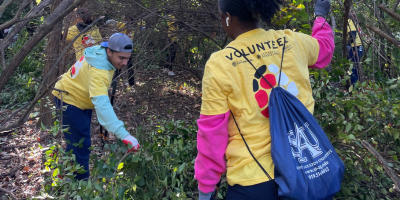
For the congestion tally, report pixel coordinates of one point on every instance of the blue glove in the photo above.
(204, 196)
(322, 7)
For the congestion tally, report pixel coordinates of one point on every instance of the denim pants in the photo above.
(355, 54)
(261, 191)
(78, 123)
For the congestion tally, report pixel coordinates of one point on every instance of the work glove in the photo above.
(204, 196)
(129, 139)
(322, 8)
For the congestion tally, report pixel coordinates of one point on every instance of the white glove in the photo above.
(129, 139)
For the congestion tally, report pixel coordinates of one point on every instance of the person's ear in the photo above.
(109, 53)
(228, 19)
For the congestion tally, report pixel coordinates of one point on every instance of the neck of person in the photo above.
(246, 28)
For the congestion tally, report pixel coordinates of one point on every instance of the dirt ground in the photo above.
(156, 96)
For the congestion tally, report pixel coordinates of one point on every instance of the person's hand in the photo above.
(130, 140)
(322, 8)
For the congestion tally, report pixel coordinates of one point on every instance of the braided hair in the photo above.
(85, 14)
(251, 10)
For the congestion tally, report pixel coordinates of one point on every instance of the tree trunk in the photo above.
(61, 11)
(52, 53)
(347, 4)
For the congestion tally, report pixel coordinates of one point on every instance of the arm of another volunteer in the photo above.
(324, 35)
(105, 112)
(212, 135)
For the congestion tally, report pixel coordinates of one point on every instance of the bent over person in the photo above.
(231, 84)
(87, 84)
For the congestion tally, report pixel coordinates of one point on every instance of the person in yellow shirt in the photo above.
(231, 85)
(87, 83)
(89, 38)
(355, 50)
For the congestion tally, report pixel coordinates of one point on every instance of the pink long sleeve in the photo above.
(326, 42)
(212, 140)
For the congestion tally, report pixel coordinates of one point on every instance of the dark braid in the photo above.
(251, 10)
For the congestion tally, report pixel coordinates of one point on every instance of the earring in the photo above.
(227, 21)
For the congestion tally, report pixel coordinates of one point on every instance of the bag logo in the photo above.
(300, 141)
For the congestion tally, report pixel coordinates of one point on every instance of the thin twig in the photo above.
(14, 113)
(113, 179)
(14, 146)
(8, 192)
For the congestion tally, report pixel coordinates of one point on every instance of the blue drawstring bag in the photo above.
(307, 166)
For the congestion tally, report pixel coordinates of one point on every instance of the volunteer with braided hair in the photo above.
(232, 84)
(87, 84)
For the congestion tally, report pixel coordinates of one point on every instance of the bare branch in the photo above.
(395, 5)
(386, 167)
(4, 6)
(8, 192)
(384, 35)
(17, 19)
(389, 12)
(61, 11)
(18, 27)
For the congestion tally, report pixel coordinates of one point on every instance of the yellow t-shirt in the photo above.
(230, 83)
(82, 82)
(91, 38)
(350, 28)
(172, 28)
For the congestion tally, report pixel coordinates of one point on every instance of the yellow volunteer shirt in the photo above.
(350, 28)
(230, 83)
(82, 82)
(91, 38)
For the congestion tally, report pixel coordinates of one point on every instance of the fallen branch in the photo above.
(389, 12)
(386, 167)
(14, 113)
(14, 146)
(384, 35)
(8, 192)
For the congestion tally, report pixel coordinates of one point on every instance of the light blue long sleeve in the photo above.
(107, 116)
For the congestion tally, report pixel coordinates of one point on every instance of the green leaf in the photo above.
(120, 166)
(181, 167)
(134, 187)
(351, 88)
(139, 181)
(75, 144)
(55, 172)
(348, 127)
(136, 158)
(43, 127)
(304, 15)
(81, 140)
(351, 115)
(395, 158)
(97, 186)
(89, 185)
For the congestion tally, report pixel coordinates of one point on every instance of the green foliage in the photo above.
(20, 88)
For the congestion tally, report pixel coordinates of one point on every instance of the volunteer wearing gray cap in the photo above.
(87, 84)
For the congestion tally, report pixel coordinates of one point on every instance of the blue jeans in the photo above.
(78, 121)
(353, 52)
(260, 191)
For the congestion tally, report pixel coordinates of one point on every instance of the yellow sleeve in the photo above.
(72, 33)
(214, 97)
(96, 35)
(310, 47)
(99, 82)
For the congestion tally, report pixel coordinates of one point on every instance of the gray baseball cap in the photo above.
(119, 42)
